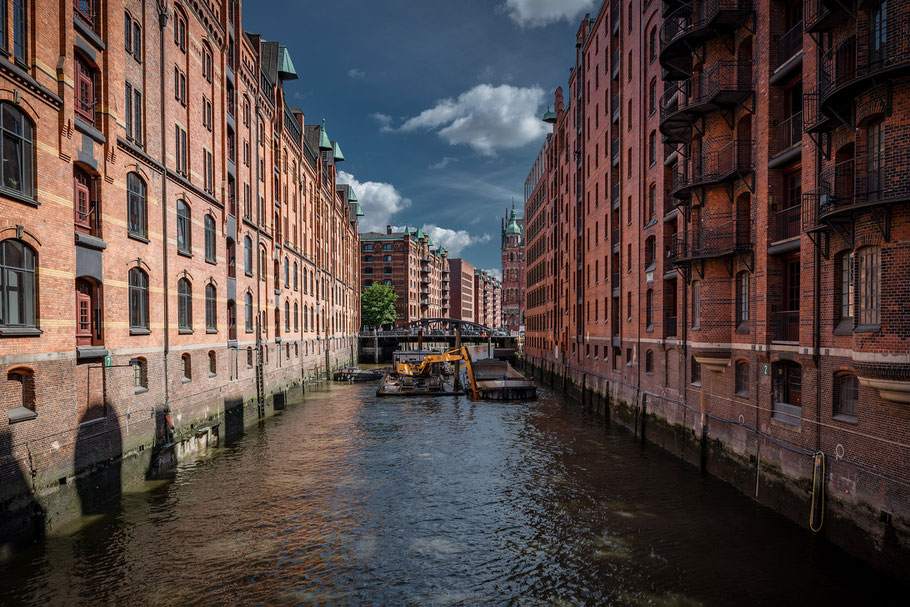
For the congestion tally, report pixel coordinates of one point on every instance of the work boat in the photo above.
(357, 374)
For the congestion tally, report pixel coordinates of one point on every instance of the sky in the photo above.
(436, 103)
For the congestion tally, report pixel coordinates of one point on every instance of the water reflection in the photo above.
(346, 499)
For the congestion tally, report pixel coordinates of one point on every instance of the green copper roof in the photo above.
(324, 143)
(336, 151)
(286, 69)
(513, 228)
(352, 197)
(419, 234)
(357, 210)
(429, 241)
(549, 116)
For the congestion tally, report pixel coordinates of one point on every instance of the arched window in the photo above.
(187, 367)
(184, 305)
(232, 319)
(248, 255)
(140, 375)
(287, 273)
(84, 88)
(649, 361)
(16, 150)
(277, 322)
(210, 238)
(262, 266)
(742, 299)
(741, 378)
(295, 275)
(846, 396)
(207, 63)
(652, 96)
(287, 316)
(211, 314)
(136, 207)
(696, 304)
(248, 312)
(306, 324)
(184, 241)
(249, 356)
(213, 364)
(296, 318)
(868, 286)
(844, 283)
(139, 299)
(18, 295)
(649, 308)
(652, 148)
(231, 255)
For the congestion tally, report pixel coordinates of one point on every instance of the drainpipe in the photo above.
(162, 25)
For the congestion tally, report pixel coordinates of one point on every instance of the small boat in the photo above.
(357, 374)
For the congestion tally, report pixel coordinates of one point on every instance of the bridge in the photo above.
(430, 333)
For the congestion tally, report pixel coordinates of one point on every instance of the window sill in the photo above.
(211, 331)
(741, 395)
(847, 419)
(184, 253)
(20, 414)
(212, 374)
(742, 329)
(697, 384)
(137, 237)
(20, 331)
(650, 329)
(651, 267)
(695, 328)
(83, 126)
(211, 261)
(184, 331)
(249, 274)
(140, 390)
(18, 196)
(88, 33)
(140, 332)
(186, 380)
(867, 328)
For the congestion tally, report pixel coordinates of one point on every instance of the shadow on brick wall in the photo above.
(98, 458)
(21, 517)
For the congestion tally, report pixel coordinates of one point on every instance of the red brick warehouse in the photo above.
(719, 240)
(173, 241)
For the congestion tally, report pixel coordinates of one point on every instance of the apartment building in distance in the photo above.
(513, 272)
(413, 266)
(717, 239)
(461, 289)
(174, 245)
(487, 299)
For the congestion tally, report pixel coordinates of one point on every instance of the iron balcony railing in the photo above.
(786, 325)
(614, 148)
(614, 106)
(719, 161)
(786, 133)
(614, 194)
(292, 126)
(786, 45)
(705, 88)
(614, 236)
(813, 118)
(787, 222)
(687, 19)
(614, 62)
(731, 236)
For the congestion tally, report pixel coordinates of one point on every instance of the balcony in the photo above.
(614, 237)
(877, 50)
(722, 161)
(614, 195)
(614, 150)
(614, 63)
(785, 326)
(857, 183)
(823, 15)
(670, 323)
(725, 85)
(686, 28)
(712, 241)
(787, 223)
(786, 134)
(614, 107)
(786, 46)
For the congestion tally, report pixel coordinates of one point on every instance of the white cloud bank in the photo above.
(443, 163)
(536, 13)
(495, 273)
(486, 118)
(378, 200)
(455, 241)
(384, 121)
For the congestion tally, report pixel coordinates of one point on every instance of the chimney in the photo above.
(388, 229)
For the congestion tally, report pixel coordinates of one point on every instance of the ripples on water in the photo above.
(346, 499)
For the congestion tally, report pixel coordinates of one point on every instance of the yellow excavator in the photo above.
(427, 366)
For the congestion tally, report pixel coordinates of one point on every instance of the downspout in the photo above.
(642, 191)
(162, 25)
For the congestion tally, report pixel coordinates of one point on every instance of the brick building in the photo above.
(173, 243)
(413, 266)
(487, 299)
(513, 272)
(719, 223)
(461, 289)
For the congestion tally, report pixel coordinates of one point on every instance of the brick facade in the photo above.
(513, 272)
(721, 222)
(166, 171)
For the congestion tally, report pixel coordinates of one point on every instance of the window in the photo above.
(652, 44)
(696, 371)
(20, 392)
(649, 308)
(296, 314)
(179, 86)
(183, 227)
(650, 255)
(786, 392)
(208, 171)
(139, 299)
(287, 316)
(211, 310)
(181, 155)
(16, 146)
(132, 36)
(652, 148)
(845, 286)
(209, 238)
(742, 298)
(85, 10)
(184, 305)
(206, 62)
(249, 356)
(84, 207)
(295, 275)
(868, 287)
(140, 375)
(180, 30)
(20, 30)
(652, 201)
(248, 255)
(206, 113)
(17, 284)
(85, 90)
(136, 210)
(846, 396)
(187, 367)
(741, 378)
(248, 312)
(287, 273)
(652, 96)
(649, 361)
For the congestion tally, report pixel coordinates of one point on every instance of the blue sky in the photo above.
(436, 104)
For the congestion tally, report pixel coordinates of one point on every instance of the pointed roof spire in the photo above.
(324, 143)
(336, 152)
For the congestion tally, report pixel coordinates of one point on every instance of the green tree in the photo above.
(377, 305)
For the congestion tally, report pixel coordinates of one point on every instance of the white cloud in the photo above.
(487, 118)
(443, 163)
(495, 273)
(356, 74)
(535, 13)
(378, 200)
(454, 241)
(384, 120)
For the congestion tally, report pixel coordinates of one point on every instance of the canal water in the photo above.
(348, 499)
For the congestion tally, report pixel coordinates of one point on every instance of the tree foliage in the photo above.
(377, 305)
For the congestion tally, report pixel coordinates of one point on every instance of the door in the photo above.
(84, 323)
(82, 205)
